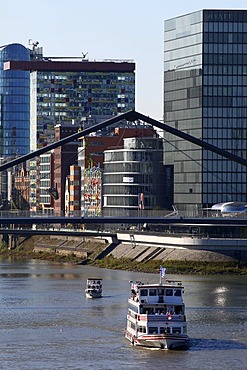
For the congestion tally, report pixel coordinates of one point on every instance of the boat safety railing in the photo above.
(159, 317)
(173, 282)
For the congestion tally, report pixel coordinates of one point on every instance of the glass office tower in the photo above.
(14, 114)
(205, 95)
(14, 104)
(81, 94)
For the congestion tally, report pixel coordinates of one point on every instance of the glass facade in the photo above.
(133, 177)
(14, 104)
(65, 96)
(224, 103)
(205, 94)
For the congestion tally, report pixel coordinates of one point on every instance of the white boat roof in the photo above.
(167, 283)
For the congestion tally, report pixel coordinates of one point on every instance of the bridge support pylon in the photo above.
(10, 240)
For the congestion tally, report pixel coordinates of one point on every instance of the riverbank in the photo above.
(27, 252)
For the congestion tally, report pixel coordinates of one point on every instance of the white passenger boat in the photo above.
(156, 315)
(94, 288)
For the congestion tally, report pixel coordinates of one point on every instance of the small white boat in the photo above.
(156, 315)
(94, 288)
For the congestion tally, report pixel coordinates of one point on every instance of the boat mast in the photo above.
(162, 274)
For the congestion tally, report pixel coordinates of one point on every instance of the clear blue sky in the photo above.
(106, 29)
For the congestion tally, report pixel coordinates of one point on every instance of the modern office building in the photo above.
(205, 95)
(14, 113)
(91, 162)
(133, 178)
(72, 88)
(14, 103)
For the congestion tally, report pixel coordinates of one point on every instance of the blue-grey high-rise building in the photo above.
(14, 114)
(14, 103)
(205, 95)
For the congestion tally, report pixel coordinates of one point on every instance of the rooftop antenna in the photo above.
(32, 43)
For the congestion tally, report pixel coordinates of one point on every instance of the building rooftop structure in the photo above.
(70, 66)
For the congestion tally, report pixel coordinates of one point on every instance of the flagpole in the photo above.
(162, 273)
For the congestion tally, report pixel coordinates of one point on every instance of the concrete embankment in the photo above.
(143, 253)
(79, 246)
(140, 250)
(146, 246)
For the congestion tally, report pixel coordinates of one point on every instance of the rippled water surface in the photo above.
(47, 323)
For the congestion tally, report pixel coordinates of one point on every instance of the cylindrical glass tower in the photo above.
(14, 103)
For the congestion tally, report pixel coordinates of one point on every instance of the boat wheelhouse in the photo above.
(156, 315)
(94, 288)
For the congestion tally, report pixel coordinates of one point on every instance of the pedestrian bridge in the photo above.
(19, 220)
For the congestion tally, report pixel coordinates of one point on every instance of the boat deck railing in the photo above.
(157, 317)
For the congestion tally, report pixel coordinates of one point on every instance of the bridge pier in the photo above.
(10, 240)
(5, 239)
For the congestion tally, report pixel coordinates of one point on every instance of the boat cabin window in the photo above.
(177, 292)
(132, 325)
(142, 329)
(152, 292)
(143, 292)
(176, 330)
(164, 330)
(146, 311)
(152, 330)
(160, 291)
(169, 292)
(178, 310)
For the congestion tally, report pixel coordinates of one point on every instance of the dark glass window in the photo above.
(152, 292)
(143, 292)
(169, 292)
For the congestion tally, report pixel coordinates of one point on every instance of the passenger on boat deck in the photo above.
(133, 293)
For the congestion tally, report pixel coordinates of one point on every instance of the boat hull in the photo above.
(93, 295)
(161, 341)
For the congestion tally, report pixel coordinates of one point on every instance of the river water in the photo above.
(47, 323)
